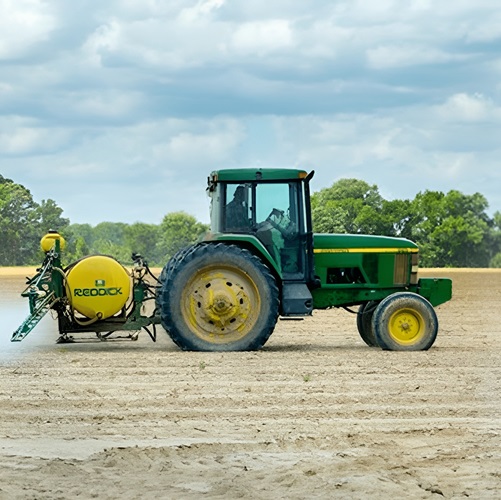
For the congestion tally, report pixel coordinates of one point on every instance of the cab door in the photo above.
(280, 226)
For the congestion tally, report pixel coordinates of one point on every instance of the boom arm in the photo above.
(43, 290)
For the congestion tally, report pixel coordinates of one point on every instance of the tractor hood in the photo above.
(356, 243)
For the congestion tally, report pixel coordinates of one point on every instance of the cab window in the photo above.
(238, 208)
(277, 223)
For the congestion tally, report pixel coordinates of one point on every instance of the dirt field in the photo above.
(315, 414)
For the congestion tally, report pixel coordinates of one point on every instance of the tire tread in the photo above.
(214, 251)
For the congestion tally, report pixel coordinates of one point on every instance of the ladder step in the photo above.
(41, 309)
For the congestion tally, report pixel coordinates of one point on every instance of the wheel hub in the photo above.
(221, 305)
(406, 326)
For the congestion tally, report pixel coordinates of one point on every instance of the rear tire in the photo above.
(364, 323)
(405, 322)
(218, 297)
(173, 261)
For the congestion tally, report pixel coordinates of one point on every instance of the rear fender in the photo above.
(249, 242)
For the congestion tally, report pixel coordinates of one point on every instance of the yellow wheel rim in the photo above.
(220, 304)
(406, 326)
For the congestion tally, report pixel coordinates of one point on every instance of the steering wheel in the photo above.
(281, 222)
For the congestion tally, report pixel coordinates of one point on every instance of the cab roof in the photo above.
(257, 174)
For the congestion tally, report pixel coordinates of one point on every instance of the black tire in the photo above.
(173, 261)
(405, 322)
(364, 323)
(218, 297)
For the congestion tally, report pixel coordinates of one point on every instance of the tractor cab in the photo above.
(271, 206)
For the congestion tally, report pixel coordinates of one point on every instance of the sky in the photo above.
(119, 110)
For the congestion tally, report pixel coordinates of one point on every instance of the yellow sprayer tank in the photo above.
(97, 286)
(47, 242)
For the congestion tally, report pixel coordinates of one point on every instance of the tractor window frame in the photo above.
(296, 196)
(289, 252)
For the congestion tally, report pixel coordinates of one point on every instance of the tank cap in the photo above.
(48, 241)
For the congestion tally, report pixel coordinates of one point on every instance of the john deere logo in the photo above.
(100, 282)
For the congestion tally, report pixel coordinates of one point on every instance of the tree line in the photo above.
(452, 229)
(23, 222)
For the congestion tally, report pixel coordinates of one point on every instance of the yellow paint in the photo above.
(48, 241)
(406, 326)
(98, 286)
(365, 250)
(210, 303)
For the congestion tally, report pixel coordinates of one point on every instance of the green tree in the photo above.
(496, 261)
(23, 222)
(398, 218)
(113, 232)
(328, 218)
(354, 206)
(78, 242)
(178, 230)
(84, 231)
(18, 224)
(50, 216)
(452, 229)
(143, 238)
(346, 207)
(120, 252)
(109, 239)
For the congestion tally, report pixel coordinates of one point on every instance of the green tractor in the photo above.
(260, 261)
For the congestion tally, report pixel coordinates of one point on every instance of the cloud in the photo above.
(138, 100)
(395, 56)
(264, 37)
(202, 9)
(106, 38)
(21, 137)
(216, 141)
(469, 108)
(23, 25)
(104, 104)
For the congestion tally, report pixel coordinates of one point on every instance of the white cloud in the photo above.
(104, 104)
(488, 31)
(202, 9)
(397, 56)
(403, 152)
(161, 42)
(263, 37)
(324, 39)
(468, 108)
(149, 96)
(372, 12)
(20, 136)
(140, 9)
(6, 88)
(215, 141)
(23, 25)
(106, 38)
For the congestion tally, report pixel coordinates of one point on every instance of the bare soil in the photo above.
(315, 414)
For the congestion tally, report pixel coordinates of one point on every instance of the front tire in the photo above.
(405, 322)
(364, 323)
(218, 297)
